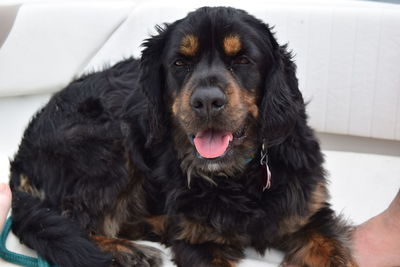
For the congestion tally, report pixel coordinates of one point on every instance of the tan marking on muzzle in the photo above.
(251, 102)
(181, 104)
(233, 94)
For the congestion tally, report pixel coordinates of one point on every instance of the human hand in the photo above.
(5, 203)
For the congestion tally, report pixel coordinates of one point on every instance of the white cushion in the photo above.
(50, 43)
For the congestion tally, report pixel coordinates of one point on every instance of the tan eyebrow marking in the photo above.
(189, 45)
(232, 45)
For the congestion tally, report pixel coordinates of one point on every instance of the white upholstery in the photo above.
(347, 54)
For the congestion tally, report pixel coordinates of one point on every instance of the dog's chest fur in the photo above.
(234, 208)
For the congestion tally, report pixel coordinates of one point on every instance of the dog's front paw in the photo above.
(128, 253)
(137, 255)
(319, 251)
(319, 256)
(339, 262)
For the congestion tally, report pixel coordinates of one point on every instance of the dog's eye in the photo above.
(242, 60)
(180, 63)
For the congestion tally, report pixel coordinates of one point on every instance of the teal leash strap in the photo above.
(16, 258)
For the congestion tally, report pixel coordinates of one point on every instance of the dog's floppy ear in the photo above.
(282, 105)
(151, 82)
(144, 116)
(151, 88)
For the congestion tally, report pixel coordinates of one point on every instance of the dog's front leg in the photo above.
(205, 255)
(198, 244)
(324, 241)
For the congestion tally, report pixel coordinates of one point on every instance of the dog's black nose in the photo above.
(208, 100)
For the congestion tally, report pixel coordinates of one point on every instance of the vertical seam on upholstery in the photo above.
(352, 74)
(328, 67)
(371, 123)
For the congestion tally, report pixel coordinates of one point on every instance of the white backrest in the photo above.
(347, 52)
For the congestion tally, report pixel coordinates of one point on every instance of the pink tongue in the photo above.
(211, 143)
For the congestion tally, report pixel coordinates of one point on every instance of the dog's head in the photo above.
(224, 84)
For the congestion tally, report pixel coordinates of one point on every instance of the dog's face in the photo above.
(213, 71)
(210, 72)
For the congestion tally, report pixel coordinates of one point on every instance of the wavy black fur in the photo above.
(72, 151)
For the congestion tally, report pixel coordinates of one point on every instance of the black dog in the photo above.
(202, 145)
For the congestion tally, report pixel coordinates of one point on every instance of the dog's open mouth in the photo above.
(212, 143)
